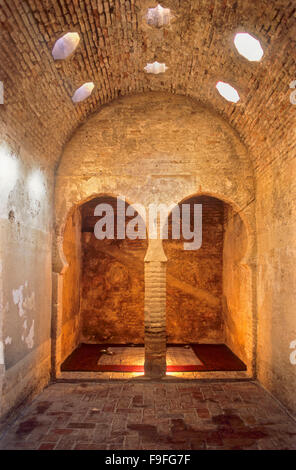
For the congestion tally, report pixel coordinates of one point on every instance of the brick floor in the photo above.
(128, 415)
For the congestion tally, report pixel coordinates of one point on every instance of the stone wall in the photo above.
(237, 287)
(25, 274)
(71, 288)
(116, 43)
(156, 148)
(276, 229)
(112, 293)
(194, 280)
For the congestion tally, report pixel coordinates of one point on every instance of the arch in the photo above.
(237, 309)
(246, 217)
(59, 261)
(61, 289)
(155, 148)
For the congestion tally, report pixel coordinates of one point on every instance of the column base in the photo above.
(155, 367)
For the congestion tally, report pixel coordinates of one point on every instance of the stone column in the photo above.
(155, 310)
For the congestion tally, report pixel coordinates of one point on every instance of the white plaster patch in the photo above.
(29, 302)
(8, 340)
(9, 174)
(36, 185)
(18, 298)
(1, 353)
(25, 303)
(30, 338)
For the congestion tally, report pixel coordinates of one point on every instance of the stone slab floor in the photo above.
(136, 356)
(152, 415)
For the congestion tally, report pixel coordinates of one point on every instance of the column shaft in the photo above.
(155, 319)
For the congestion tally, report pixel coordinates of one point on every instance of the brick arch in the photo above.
(59, 259)
(223, 311)
(64, 300)
(216, 164)
(241, 210)
(155, 148)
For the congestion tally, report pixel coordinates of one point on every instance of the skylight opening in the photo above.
(248, 47)
(228, 92)
(155, 68)
(65, 46)
(159, 16)
(83, 92)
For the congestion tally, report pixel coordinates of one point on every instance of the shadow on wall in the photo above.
(209, 296)
(156, 148)
(103, 286)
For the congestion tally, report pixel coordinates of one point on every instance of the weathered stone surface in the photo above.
(150, 415)
(167, 153)
(26, 193)
(276, 280)
(70, 336)
(112, 283)
(116, 43)
(149, 147)
(237, 288)
(194, 280)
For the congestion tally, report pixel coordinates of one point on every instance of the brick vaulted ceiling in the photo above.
(116, 44)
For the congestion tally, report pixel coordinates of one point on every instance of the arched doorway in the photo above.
(103, 283)
(209, 290)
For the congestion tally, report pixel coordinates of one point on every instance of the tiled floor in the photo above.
(135, 356)
(149, 415)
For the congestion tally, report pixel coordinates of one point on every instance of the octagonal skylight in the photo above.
(83, 92)
(248, 46)
(228, 92)
(65, 46)
(159, 16)
(155, 68)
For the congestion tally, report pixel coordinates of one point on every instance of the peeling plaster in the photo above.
(18, 299)
(29, 302)
(9, 174)
(30, 338)
(25, 216)
(1, 353)
(25, 303)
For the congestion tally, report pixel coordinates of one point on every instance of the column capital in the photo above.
(155, 252)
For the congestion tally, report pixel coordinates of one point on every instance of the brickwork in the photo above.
(112, 284)
(276, 228)
(163, 170)
(194, 280)
(162, 142)
(116, 43)
(155, 318)
(237, 287)
(152, 416)
(71, 286)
